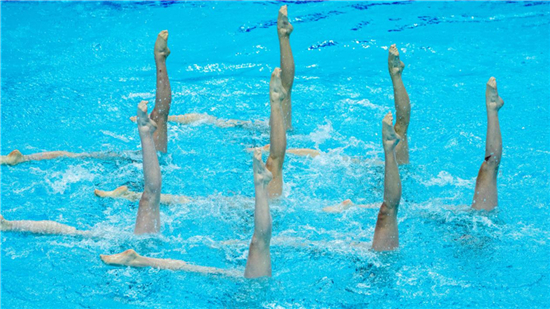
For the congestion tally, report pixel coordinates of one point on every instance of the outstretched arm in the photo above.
(39, 227)
(259, 257)
(131, 258)
(301, 152)
(386, 235)
(148, 218)
(15, 157)
(125, 193)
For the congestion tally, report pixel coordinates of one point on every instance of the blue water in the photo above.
(73, 73)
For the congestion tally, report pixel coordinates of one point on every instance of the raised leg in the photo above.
(386, 235)
(402, 105)
(148, 218)
(277, 135)
(259, 257)
(485, 196)
(131, 258)
(284, 29)
(164, 93)
(39, 227)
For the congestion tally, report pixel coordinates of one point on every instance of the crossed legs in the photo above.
(485, 195)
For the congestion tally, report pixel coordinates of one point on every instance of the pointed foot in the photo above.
(161, 45)
(284, 28)
(389, 137)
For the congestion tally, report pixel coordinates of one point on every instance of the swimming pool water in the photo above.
(73, 73)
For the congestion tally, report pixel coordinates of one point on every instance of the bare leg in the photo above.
(16, 157)
(164, 94)
(386, 235)
(131, 258)
(125, 193)
(277, 135)
(148, 218)
(259, 257)
(402, 105)
(485, 196)
(284, 29)
(39, 227)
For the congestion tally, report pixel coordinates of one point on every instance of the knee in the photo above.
(401, 127)
(492, 162)
(387, 210)
(261, 242)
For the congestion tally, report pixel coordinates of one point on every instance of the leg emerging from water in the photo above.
(148, 218)
(125, 193)
(164, 93)
(402, 105)
(485, 195)
(284, 29)
(39, 227)
(386, 235)
(259, 257)
(277, 135)
(131, 258)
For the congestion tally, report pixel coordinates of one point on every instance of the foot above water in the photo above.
(493, 100)
(161, 45)
(389, 137)
(144, 122)
(284, 28)
(395, 65)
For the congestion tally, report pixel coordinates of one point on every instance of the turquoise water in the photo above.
(73, 73)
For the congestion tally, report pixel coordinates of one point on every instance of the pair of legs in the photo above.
(259, 258)
(386, 235)
(159, 114)
(401, 98)
(148, 218)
